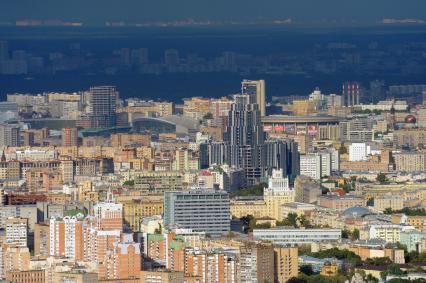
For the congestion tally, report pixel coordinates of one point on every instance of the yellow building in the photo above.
(418, 221)
(134, 210)
(161, 108)
(276, 194)
(390, 232)
(393, 202)
(329, 269)
(158, 180)
(76, 277)
(303, 107)
(163, 276)
(286, 263)
(256, 208)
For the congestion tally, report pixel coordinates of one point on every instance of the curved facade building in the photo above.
(153, 125)
(298, 124)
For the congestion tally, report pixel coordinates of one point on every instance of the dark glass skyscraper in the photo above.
(244, 134)
(245, 147)
(103, 100)
(281, 154)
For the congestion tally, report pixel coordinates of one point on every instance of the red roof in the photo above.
(206, 173)
(339, 191)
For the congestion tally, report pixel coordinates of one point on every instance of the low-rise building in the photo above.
(294, 236)
(390, 233)
(393, 202)
(334, 201)
(412, 239)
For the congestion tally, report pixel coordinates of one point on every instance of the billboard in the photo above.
(267, 128)
(279, 128)
(312, 130)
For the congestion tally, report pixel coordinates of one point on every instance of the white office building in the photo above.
(310, 165)
(359, 151)
(296, 236)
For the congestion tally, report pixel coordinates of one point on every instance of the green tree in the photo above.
(355, 234)
(248, 223)
(256, 190)
(378, 261)
(371, 279)
(394, 269)
(296, 280)
(388, 210)
(283, 222)
(303, 221)
(347, 255)
(208, 116)
(129, 183)
(307, 269)
(345, 234)
(292, 219)
(381, 178)
(262, 225)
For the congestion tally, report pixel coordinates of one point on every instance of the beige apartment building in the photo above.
(410, 162)
(393, 202)
(286, 263)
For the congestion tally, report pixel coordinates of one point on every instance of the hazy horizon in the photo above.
(302, 11)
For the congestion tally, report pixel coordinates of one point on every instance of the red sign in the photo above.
(279, 128)
(312, 130)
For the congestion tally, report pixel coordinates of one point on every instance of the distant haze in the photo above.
(301, 11)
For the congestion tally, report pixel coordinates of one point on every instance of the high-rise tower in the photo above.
(103, 101)
(351, 93)
(256, 91)
(245, 135)
(4, 50)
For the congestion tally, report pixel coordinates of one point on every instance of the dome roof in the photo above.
(410, 119)
(356, 211)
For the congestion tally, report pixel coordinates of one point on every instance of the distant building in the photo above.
(256, 89)
(286, 264)
(390, 233)
(277, 193)
(359, 151)
(8, 111)
(410, 161)
(199, 210)
(4, 50)
(340, 202)
(103, 100)
(66, 238)
(310, 165)
(409, 137)
(296, 236)
(76, 277)
(351, 92)
(394, 202)
(16, 232)
(69, 137)
(9, 135)
(171, 57)
(412, 239)
(257, 262)
(306, 189)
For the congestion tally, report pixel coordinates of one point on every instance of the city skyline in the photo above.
(305, 11)
(200, 141)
